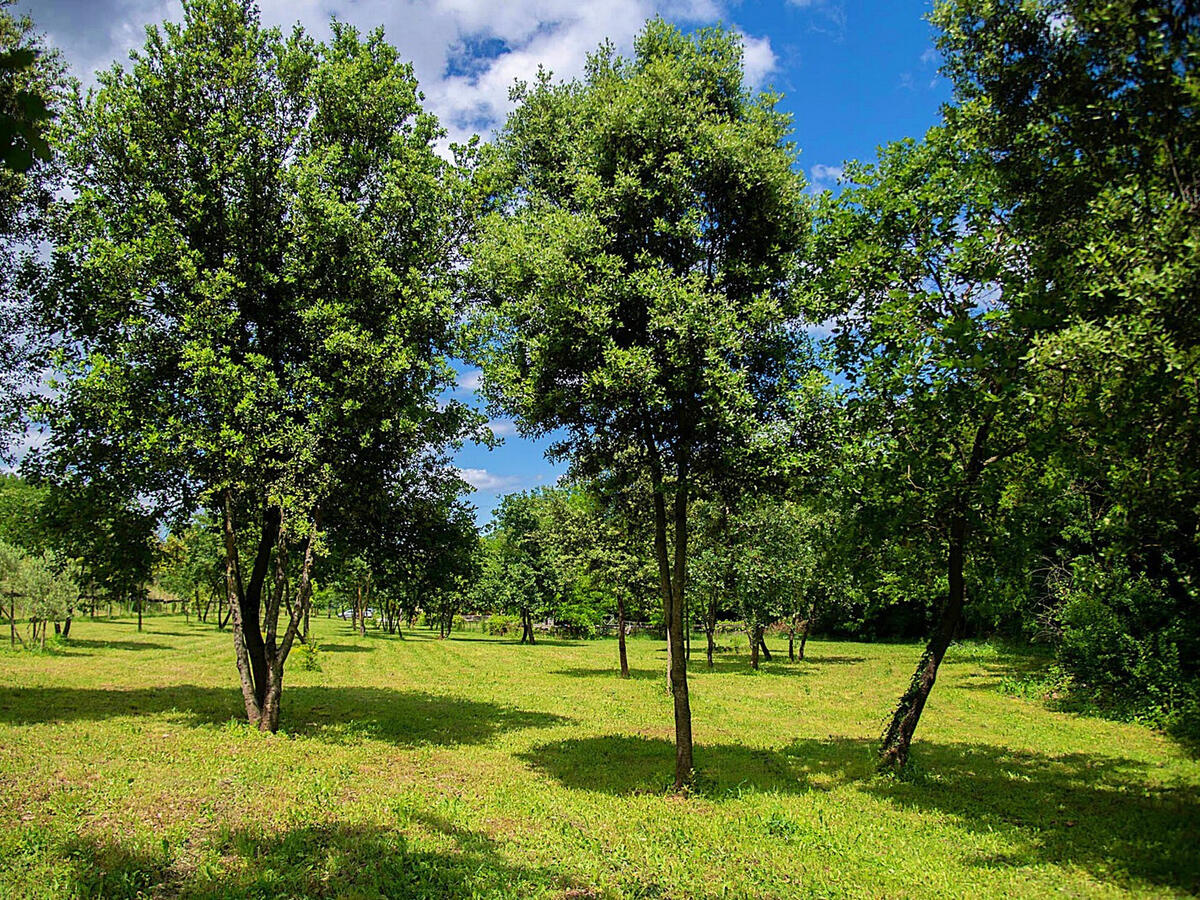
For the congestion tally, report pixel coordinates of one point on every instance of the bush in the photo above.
(1125, 641)
(498, 624)
(308, 656)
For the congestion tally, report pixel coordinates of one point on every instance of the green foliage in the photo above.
(32, 81)
(498, 624)
(1121, 638)
(308, 655)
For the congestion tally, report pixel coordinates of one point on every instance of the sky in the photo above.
(854, 74)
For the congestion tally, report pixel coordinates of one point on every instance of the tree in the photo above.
(249, 274)
(521, 571)
(632, 281)
(932, 337)
(1087, 112)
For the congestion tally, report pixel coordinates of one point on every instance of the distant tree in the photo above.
(250, 278)
(633, 283)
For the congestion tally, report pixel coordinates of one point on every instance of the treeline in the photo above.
(962, 392)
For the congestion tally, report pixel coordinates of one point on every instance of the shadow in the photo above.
(317, 861)
(89, 644)
(615, 672)
(344, 648)
(334, 714)
(1102, 813)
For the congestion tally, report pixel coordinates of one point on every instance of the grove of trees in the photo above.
(959, 395)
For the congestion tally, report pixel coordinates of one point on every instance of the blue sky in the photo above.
(854, 75)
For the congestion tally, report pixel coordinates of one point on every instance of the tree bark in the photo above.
(66, 629)
(753, 648)
(792, 644)
(899, 735)
(807, 627)
(762, 642)
(672, 579)
(621, 635)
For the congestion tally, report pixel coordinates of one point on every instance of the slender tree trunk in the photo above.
(12, 619)
(762, 642)
(806, 628)
(139, 607)
(672, 578)
(753, 648)
(792, 644)
(898, 738)
(711, 646)
(621, 635)
(66, 630)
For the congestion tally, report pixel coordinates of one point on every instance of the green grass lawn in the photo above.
(475, 767)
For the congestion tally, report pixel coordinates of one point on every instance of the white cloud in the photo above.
(468, 381)
(466, 53)
(758, 59)
(483, 480)
(822, 177)
(502, 427)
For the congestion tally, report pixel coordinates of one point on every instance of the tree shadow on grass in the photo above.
(334, 714)
(91, 644)
(1102, 813)
(345, 648)
(316, 861)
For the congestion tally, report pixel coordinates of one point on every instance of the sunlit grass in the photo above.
(476, 767)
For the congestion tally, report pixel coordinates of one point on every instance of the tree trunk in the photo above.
(66, 630)
(621, 635)
(12, 619)
(792, 644)
(806, 629)
(671, 578)
(139, 606)
(711, 646)
(753, 648)
(762, 642)
(899, 735)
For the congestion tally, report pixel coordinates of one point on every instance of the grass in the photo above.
(479, 768)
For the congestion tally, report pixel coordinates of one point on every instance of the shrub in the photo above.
(1125, 641)
(498, 624)
(308, 655)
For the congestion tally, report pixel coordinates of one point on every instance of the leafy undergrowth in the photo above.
(476, 767)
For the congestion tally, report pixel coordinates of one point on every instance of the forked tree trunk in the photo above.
(899, 735)
(621, 635)
(762, 642)
(260, 659)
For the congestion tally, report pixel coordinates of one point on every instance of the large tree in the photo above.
(633, 280)
(933, 330)
(248, 275)
(1087, 113)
